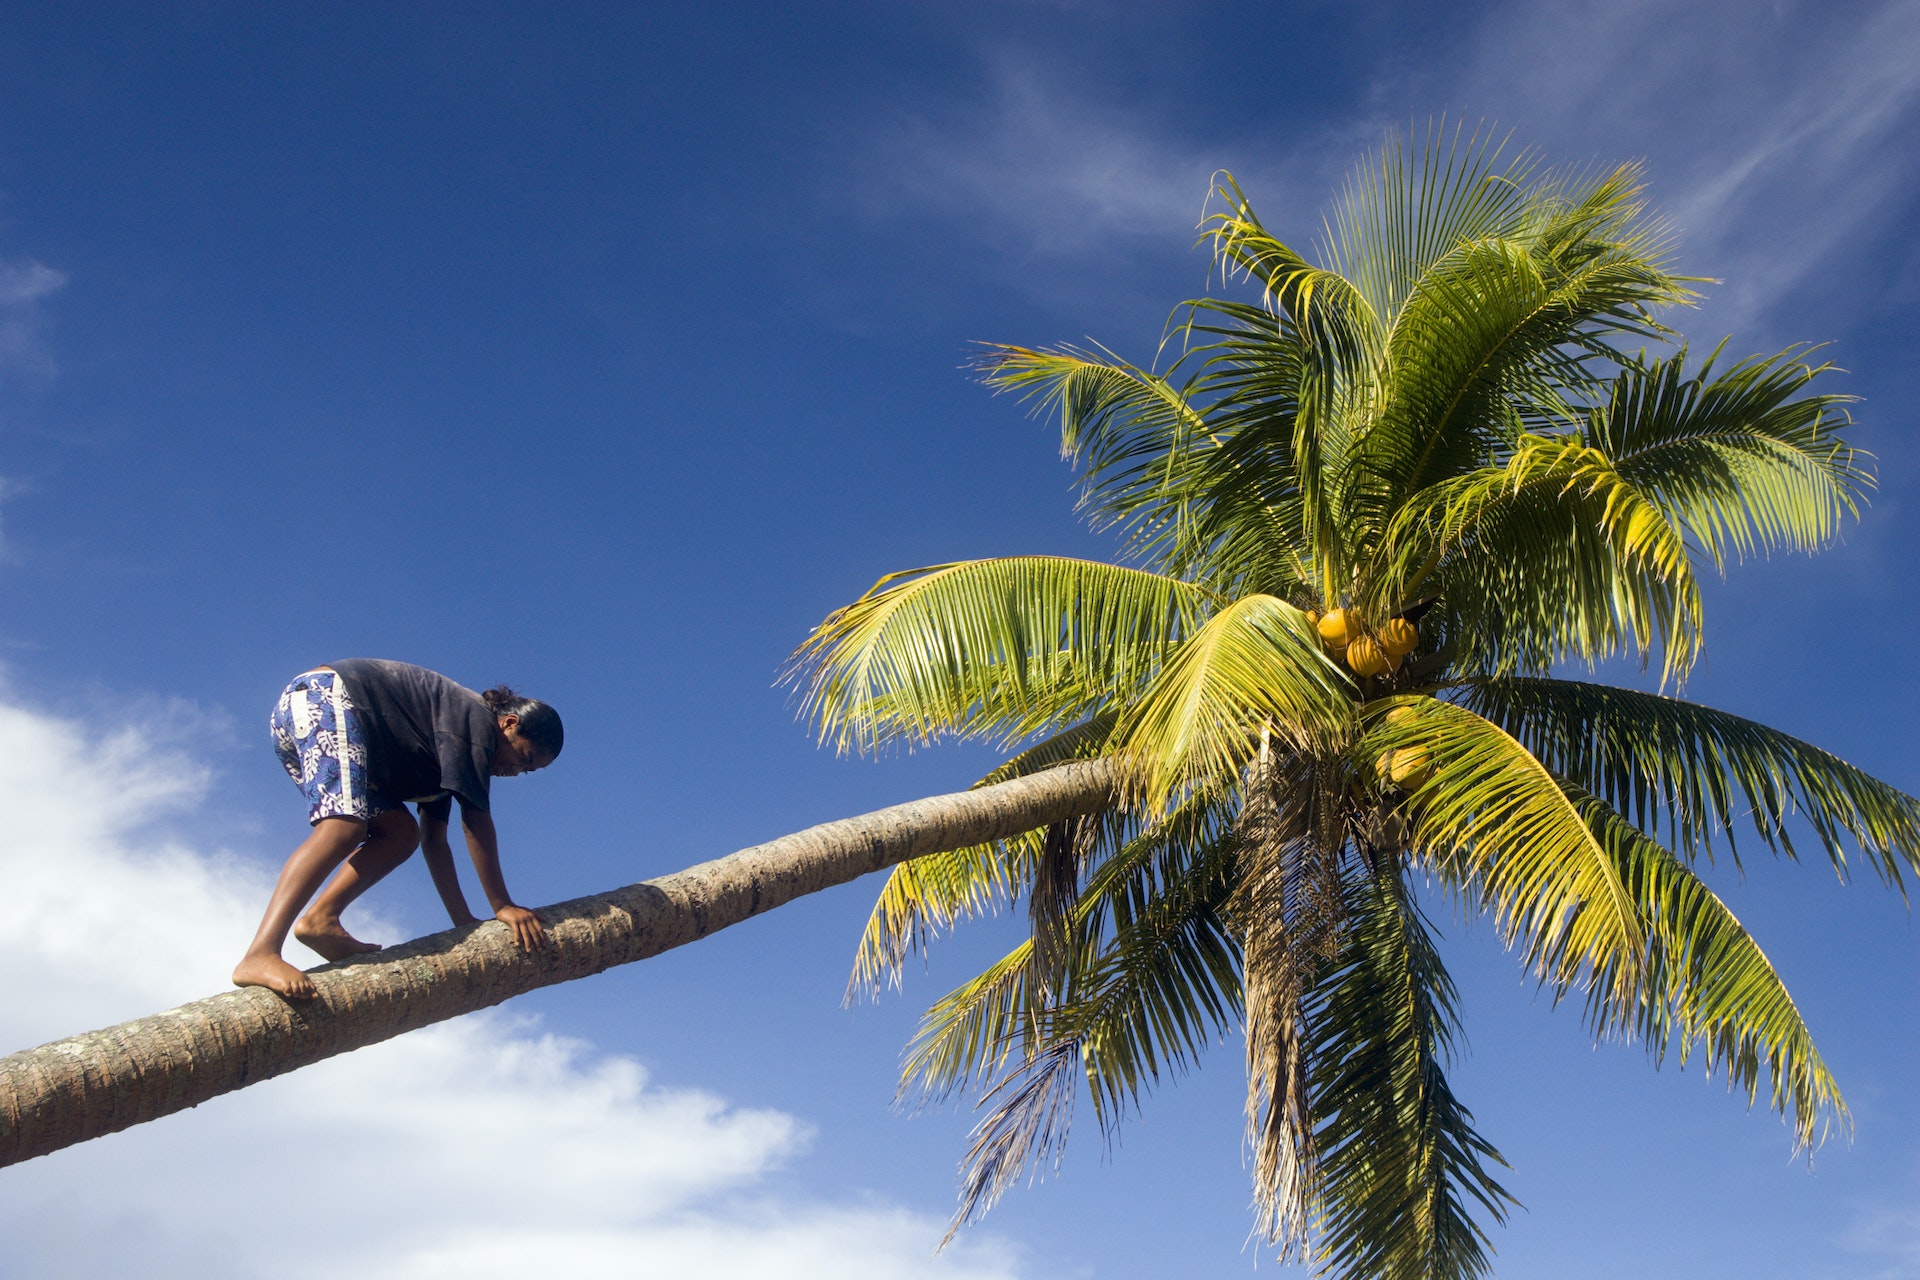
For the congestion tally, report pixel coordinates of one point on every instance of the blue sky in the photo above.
(603, 349)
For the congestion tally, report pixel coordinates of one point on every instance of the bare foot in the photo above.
(330, 939)
(272, 972)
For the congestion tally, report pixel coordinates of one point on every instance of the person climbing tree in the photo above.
(362, 739)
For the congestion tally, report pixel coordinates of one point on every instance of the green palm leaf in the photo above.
(1696, 775)
(1151, 984)
(1402, 1166)
(1745, 461)
(1254, 667)
(1555, 552)
(1113, 416)
(1495, 825)
(1152, 454)
(1164, 988)
(1315, 301)
(1261, 496)
(1489, 338)
(1146, 1003)
(1328, 341)
(969, 1033)
(999, 649)
(1401, 211)
(1707, 984)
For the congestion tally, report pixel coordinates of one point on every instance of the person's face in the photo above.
(514, 755)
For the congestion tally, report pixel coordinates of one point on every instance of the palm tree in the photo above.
(1366, 518)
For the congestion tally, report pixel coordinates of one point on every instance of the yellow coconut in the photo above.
(1383, 764)
(1338, 628)
(1366, 657)
(1399, 715)
(1399, 638)
(1411, 768)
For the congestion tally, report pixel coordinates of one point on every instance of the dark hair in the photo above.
(539, 723)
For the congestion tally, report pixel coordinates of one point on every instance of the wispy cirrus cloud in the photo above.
(1780, 139)
(1067, 195)
(1053, 172)
(481, 1147)
(24, 286)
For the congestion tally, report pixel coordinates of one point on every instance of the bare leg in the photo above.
(392, 837)
(325, 848)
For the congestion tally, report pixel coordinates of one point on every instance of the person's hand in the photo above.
(527, 931)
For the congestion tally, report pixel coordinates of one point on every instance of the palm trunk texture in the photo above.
(105, 1081)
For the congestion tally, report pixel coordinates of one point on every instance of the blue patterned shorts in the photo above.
(319, 738)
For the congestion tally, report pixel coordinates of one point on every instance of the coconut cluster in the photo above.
(1366, 651)
(1375, 652)
(1407, 768)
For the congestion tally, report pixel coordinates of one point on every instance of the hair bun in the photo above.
(539, 723)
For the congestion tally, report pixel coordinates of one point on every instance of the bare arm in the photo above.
(484, 846)
(439, 856)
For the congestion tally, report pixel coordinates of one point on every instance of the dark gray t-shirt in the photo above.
(426, 735)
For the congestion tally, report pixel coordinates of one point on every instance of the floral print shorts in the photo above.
(319, 738)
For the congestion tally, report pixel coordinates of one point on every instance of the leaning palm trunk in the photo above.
(95, 1084)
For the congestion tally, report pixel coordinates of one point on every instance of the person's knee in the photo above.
(396, 831)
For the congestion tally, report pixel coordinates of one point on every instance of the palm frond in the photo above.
(1065, 849)
(1158, 459)
(1402, 209)
(967, 1035)
(1403, 1168)
(1744, 462)
(998, 649)
(1707, 984)
(1165, 986)
(1495, 826)
(1125, 427)
(1694, 775)
(1316, 302)
(1029, 1113)
(1490, 341)
(1553, 553)
(1148, 1005)
(1329, 340)
(1262, 496)
(1254, 667)
(1145, 1001)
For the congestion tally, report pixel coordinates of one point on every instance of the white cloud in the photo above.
(1062, 174)
(1778, 136)
(474, 1149)
(23, 286)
